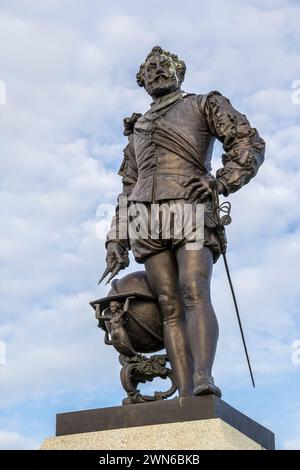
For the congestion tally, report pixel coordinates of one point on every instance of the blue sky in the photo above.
(69, 69)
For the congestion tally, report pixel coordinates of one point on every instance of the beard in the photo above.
(162, 85)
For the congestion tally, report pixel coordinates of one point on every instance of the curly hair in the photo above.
(179, 64)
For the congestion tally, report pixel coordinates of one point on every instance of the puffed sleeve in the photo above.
(128, 171)
(243, 146)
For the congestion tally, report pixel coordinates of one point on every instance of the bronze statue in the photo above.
(167, 158)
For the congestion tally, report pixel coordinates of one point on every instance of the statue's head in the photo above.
(161, 73)
(114, 306)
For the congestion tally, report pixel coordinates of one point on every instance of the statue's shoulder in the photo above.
(209, 97)
(129, 122)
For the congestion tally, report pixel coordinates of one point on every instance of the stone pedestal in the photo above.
(200, 423)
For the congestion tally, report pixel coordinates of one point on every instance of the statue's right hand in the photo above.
(116, 253)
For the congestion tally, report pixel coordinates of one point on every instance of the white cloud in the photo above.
(15, 441)
(55, 350)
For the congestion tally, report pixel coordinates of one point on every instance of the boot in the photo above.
(204, 385)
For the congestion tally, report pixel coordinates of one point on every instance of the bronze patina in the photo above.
(168, 158)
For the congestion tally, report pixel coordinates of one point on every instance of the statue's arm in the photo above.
(128, 171)
(243, 145)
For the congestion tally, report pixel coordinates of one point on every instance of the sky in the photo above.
(69, 74)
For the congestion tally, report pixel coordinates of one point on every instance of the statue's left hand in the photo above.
(202, 192)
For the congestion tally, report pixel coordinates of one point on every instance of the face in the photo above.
(160, 76)
(114, 306)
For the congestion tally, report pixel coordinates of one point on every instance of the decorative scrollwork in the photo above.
(142, 369)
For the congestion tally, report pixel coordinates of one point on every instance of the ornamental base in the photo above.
(200, 423)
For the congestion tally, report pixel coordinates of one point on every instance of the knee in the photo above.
(195, 291)
(170, 307)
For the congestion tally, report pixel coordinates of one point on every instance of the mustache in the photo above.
(161, 75)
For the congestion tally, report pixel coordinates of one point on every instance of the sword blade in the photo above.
(216, 208)
(238, 317)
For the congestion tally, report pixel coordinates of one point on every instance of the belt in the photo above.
(166, 171)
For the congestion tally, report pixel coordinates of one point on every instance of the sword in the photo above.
(225, 207)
